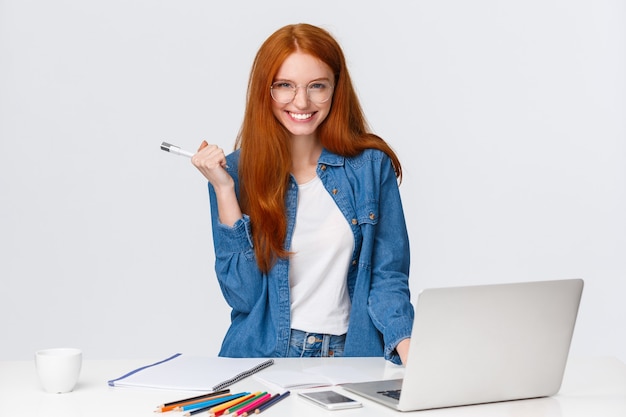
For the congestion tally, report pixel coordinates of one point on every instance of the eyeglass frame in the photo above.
(295, 91)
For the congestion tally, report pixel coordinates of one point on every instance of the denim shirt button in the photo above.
(335, 191)
(354, 262)
(323, 167)
(372, 216)
(354, 221)
(310, 340)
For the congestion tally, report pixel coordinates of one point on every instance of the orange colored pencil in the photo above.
(219, 409)
(242, 404)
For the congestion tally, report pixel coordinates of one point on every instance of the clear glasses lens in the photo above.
(318, 91)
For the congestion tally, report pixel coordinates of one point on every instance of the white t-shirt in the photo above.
(322, 246)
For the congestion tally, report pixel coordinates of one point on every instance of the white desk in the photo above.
(592, 387)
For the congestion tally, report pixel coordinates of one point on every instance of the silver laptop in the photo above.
(481, 344)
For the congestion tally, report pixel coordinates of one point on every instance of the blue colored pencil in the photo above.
(211, 403)
(271, 402)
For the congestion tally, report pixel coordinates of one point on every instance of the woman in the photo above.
(311, 246)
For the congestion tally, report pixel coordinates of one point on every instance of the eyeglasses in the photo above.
(285, 91)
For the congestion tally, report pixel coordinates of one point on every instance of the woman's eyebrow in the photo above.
(308, 82)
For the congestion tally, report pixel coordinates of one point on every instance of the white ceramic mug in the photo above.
(58, 369)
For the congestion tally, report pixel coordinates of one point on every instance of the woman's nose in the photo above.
(301, 98)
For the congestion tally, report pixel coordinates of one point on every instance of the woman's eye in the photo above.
(318, 86)
(284, 84)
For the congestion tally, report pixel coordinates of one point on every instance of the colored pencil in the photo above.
(220, 409)
(211, 403)
(205, 397)
(208, 407)
(257, 395)
(252, 406)
(267, 400)
(199, 397)
(197, 411)
(271, 402)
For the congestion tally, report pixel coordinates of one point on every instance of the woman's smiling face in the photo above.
(302, 116)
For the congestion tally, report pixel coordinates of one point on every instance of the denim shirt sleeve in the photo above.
(389, 299)
(237, 272)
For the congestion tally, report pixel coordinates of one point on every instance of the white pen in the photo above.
(168, 147)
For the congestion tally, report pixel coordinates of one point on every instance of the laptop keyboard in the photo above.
(395, 394)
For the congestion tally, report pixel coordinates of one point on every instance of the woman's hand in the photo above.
(403, 350)
(210, 161)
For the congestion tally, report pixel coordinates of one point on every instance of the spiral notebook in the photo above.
(192, 373)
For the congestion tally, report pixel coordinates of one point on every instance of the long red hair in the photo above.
(265, 158)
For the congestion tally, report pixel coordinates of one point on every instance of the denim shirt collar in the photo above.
(329, 158)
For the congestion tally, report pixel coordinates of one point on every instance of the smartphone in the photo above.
(330, 400)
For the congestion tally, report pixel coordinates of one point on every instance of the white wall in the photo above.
(509, 118)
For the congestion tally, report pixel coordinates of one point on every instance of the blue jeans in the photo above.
(315, 345)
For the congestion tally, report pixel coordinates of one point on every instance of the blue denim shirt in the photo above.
(366, 191)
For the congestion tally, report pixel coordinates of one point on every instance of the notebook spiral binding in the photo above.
(243, 375)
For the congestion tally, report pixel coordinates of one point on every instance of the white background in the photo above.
(509, 118)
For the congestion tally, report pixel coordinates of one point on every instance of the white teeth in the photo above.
(301, 116)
